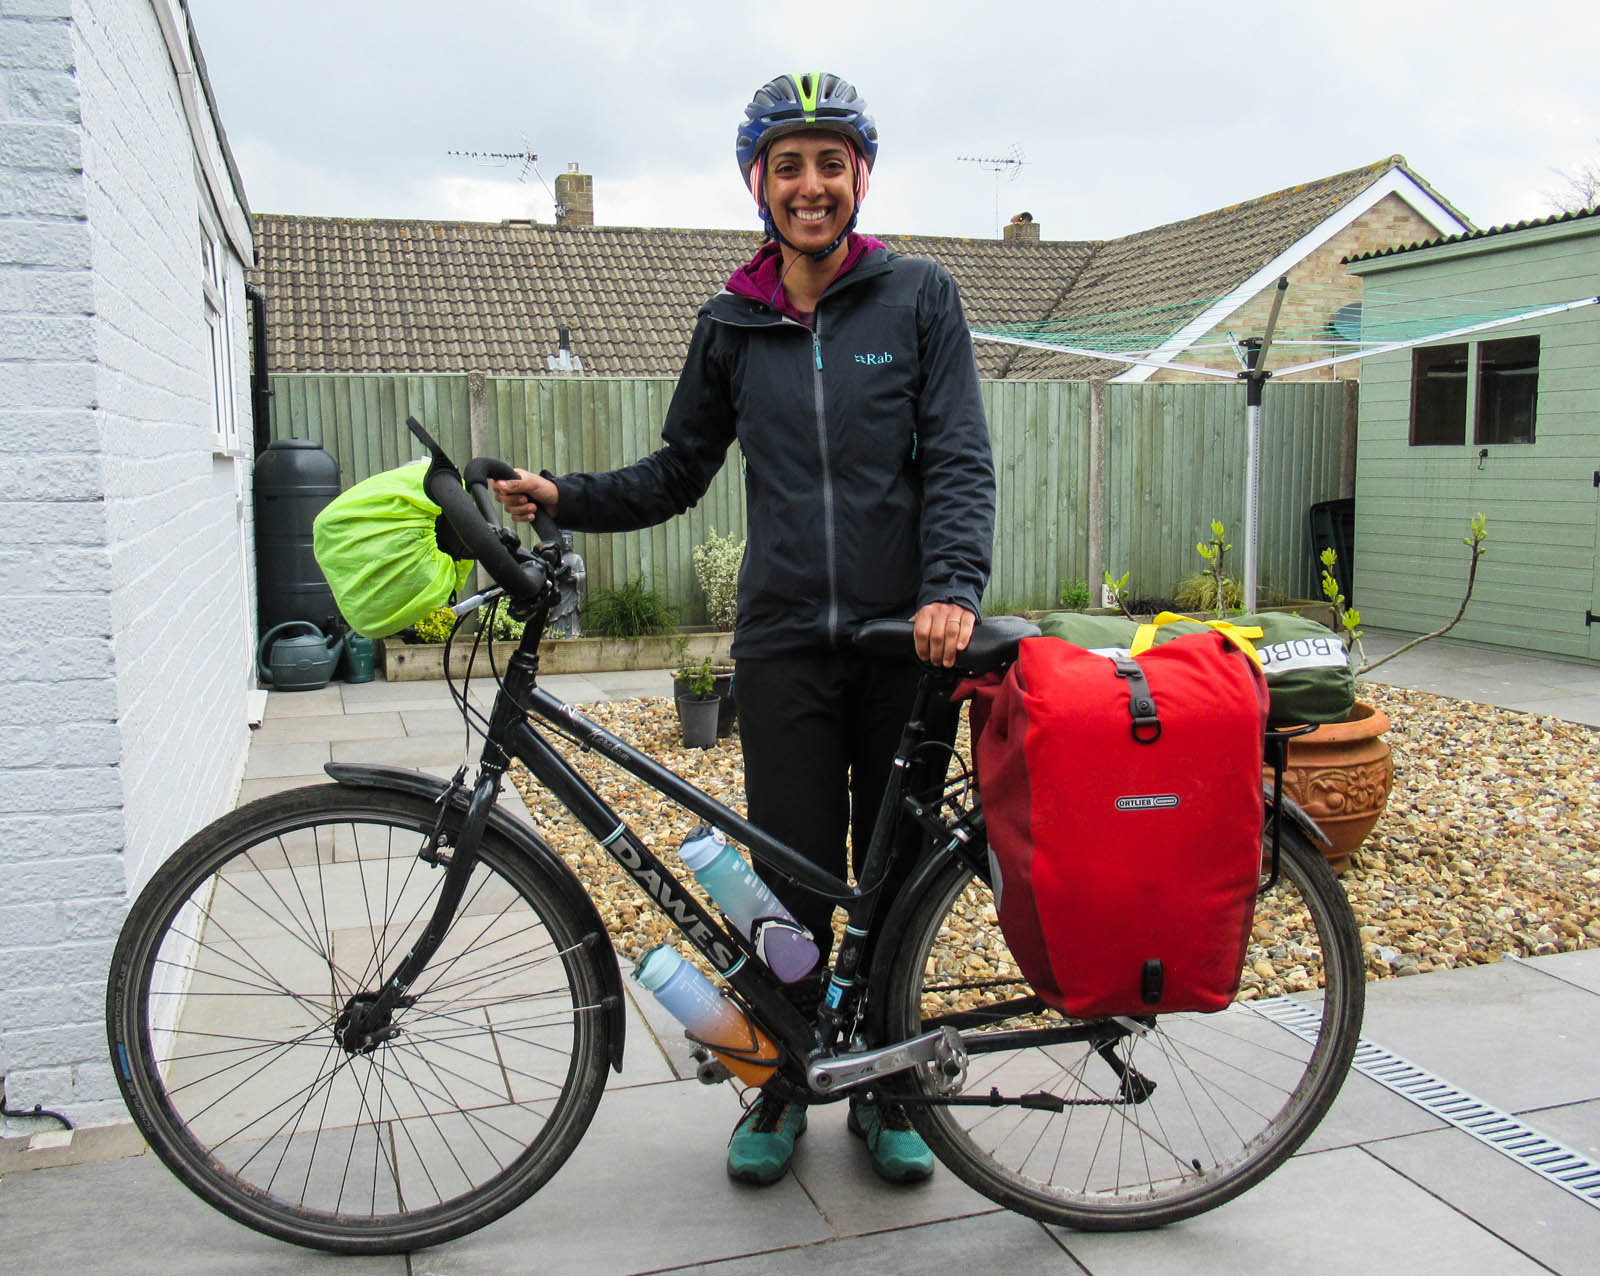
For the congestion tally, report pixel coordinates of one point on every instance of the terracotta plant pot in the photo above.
(1341, 774)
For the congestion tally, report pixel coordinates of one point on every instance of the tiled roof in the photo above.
(347, 295)
(1507, 229)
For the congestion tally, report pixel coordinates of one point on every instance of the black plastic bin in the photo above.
(1332, 525)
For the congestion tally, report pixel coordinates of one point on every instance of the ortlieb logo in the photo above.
(1148, 802)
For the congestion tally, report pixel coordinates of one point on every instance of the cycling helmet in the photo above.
(803, 102)
(799, 104)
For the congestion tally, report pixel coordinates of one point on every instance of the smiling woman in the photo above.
(845, 372)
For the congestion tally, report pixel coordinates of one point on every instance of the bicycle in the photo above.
(373, 1015)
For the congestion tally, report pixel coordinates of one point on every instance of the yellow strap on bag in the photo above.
(1144, 637)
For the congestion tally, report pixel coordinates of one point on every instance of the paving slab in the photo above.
(435, 722)
(1584, 709)
(250, 790)
(273, 761)
(1581, 968)
(1512, 1201)
(288, 704)
(407, 751)
(129, 1217)
(835, 1169)
(1337, 1213)
(644, 1191)
(368, 697)
(304, 728)
(1508, 1033)
(1002, 1242)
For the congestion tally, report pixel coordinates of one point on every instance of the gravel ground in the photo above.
(1489, 844)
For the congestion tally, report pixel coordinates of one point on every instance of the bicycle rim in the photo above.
(1232, 1093)
(234, 967)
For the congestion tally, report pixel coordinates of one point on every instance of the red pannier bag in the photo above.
(1124, 811)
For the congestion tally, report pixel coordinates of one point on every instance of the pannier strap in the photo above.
(1141, 704)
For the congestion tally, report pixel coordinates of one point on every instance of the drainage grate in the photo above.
(1505, 1133)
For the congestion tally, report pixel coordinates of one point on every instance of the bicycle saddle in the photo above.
(993, 646)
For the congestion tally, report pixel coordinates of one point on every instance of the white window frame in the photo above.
(219, 293)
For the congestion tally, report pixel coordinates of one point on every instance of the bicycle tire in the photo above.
(230, 974)
(1235, 1092)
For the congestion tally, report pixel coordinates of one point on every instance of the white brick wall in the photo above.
(125, 636)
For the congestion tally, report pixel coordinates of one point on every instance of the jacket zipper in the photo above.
(827, 479)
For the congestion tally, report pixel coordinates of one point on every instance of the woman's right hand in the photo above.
(524, 495)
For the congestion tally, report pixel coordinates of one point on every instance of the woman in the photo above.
(846, 374)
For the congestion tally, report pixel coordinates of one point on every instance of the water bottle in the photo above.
(784, 944)
(709, 1016)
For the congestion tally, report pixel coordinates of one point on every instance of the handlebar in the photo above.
(467, 505)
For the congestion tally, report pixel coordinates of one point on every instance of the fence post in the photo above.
(1097, 484)
(1349, 418)
(478, 441)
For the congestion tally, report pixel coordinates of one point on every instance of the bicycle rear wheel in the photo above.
(228, 982)
(1216, 1103)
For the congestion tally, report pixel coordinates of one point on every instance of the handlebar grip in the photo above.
(480, 534)
(476, 475)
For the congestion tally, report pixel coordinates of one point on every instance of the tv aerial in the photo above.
(499, 159)
(1008, 165)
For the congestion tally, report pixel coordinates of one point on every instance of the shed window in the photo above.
(1439, 395)
(1508, 388)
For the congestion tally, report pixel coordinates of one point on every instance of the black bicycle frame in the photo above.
(729, 952)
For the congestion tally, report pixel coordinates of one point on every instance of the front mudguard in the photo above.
(526, 840)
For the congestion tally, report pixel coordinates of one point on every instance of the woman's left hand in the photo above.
(942, 631)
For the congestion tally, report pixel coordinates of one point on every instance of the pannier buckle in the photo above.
(1146, 727)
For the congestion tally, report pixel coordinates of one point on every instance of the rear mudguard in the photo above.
(536, 849)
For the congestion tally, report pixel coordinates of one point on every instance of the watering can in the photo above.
(302, 663)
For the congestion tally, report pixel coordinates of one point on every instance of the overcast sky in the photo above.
(1128, 115)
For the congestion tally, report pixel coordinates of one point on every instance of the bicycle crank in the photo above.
(831, 1073)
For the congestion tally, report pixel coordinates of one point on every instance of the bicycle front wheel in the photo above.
(1158, 1119)
(228, 984)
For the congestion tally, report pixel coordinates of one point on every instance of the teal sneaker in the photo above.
(763, 1141)
(898, 1152)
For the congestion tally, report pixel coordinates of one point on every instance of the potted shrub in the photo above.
(1342, 772)
(698, 707)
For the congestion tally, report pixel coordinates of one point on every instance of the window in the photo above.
(1508, 387)
(1439, 395)
(218, 305)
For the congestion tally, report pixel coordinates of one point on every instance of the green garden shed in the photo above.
(1497, 418)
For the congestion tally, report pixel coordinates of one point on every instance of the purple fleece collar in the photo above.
(759, 277)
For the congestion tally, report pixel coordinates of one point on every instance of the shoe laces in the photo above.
(893, 1117)
(766, 1114)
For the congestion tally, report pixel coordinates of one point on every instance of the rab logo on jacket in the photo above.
(873, 360)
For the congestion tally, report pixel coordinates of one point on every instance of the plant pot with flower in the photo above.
(699, 706)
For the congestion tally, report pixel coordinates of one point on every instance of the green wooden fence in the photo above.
(1172, 459)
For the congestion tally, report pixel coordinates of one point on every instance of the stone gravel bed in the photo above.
(1489, 845)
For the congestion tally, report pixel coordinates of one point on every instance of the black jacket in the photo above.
(868, 480)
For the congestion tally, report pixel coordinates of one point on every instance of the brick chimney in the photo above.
(574, 198)
(1022, 228)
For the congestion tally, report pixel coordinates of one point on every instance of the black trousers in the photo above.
(819, 734)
